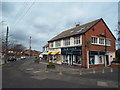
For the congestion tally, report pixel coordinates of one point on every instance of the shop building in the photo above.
(88, 45)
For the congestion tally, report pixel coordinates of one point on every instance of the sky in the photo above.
(44, 20)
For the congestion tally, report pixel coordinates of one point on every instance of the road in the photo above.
(12, 77)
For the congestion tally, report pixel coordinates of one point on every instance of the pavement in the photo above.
(14, 78)
(98, 76)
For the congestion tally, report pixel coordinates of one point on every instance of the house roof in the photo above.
(45, 45)
(76, 30)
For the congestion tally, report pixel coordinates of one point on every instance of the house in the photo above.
(45, 51)
(88, 45)
(33, 53)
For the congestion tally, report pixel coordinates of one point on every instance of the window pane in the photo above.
(76, 40)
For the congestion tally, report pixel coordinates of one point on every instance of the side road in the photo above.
(104, 76)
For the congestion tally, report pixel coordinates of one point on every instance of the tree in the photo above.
(118, 54)
(18, 48)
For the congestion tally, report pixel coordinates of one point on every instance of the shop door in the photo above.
(107, 59)
(70, 60)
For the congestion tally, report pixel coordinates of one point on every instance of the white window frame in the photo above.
(51, 44)
(77, 40)
(66, 42)
(94, 39)
(101, 41)
(108, 44)
(58, 43)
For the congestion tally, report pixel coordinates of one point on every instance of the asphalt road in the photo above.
(12, 77)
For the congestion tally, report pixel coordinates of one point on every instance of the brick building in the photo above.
(88, 45)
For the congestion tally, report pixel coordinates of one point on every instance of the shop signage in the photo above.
(97, 53)
(71, 50)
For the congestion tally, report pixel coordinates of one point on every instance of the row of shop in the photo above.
(73, 56)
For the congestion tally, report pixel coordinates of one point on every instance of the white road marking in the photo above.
(29, 69)
(101, 83)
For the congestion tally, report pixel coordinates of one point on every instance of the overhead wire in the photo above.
(24, 14)
(26, 7)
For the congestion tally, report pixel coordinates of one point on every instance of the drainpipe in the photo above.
(105, 49)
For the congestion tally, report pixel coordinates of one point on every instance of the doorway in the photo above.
(107, 59)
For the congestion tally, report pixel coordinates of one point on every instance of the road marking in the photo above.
(38, 77)
(29, 69)
(101, 83)
(36, 71)
(43, 63)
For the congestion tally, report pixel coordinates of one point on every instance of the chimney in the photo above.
(77, 25)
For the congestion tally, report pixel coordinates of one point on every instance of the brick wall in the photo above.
(96, 31)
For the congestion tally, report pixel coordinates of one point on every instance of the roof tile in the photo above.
(76, 30)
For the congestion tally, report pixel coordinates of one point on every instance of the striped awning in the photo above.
(49, 52)
(56, 52)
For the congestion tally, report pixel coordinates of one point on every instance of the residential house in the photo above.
(33, 52)
(88, 45)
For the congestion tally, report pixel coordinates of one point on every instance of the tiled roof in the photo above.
(45, 45)
(76, 30)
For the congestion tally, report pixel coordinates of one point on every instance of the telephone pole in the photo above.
(6, 45)
(30, 47)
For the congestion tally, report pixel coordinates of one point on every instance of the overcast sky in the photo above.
(44, 20)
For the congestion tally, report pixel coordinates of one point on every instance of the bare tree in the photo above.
(18, 48)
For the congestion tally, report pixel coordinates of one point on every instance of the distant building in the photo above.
(88, 45)
(44, 52)
(33, 53)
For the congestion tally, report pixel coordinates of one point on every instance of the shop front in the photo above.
(56, 57)
(97, 58)
(72, 55)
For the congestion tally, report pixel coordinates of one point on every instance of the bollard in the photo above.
(80, 72)
(46, 70)
(60, 73)
(111, 69)
(103, 71)
(93, 71)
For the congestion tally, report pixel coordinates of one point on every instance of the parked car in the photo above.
(11, 58)
(23, 57)
(116, 62)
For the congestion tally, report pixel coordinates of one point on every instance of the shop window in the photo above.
(77, 59)
(65, 58)
(92, 60)
(100, 59)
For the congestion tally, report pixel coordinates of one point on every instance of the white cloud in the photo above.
(46, 20)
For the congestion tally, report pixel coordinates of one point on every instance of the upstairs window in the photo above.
(58, 43)
(66, 42)
(101, 41)
(94, 40)
(51, 44)
(76, 40)
(108, 42)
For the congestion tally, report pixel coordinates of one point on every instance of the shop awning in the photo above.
(56, 52)
(44, 53)
(49, 52)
